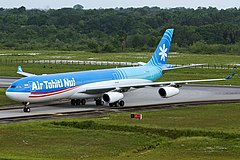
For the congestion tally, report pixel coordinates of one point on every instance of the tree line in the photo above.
(201, 30)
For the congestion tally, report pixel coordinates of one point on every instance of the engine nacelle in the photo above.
(167, 92)
(111, 97)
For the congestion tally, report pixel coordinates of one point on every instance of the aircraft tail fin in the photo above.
(160, 55)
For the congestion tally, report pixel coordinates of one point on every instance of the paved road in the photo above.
(188, 93)
(138, 97)
(6, 81)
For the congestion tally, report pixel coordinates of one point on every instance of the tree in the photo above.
(122, 37)
(109, 30)
(78, 6)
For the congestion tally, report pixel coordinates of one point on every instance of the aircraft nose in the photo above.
(17, 96)
(11, 95)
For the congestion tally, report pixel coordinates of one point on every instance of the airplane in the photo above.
(105, 85)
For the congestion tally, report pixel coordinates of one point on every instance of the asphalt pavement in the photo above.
(140, 97)
(7, 81)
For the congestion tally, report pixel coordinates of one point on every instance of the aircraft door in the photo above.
(30, 85)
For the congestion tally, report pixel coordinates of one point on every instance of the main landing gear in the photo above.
(99, 102)
(117, 104)
(76, 102)
(26, 109)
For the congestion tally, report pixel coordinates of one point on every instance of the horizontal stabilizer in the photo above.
(141, 63)
(180, 67)
(230, 76)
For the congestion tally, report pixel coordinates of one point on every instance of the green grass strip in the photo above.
(170, 133)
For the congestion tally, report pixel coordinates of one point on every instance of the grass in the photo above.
(209, 118)
(214, 59)
(203, 132)
(72, 55)
(11, 69)
(119, 57)
(3, 99)
(44, 142)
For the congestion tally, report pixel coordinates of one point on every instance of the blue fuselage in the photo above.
(61, 81)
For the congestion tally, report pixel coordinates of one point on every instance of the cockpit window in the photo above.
(16, 86)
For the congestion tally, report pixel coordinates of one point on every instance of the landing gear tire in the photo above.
(83, 101)
(78, 102)
(26, 109)
(111, 104)
(73, 102)
(117, 104)
(121, 103)
(99, 102)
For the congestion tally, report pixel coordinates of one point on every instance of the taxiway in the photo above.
(7, 81)
(142, 97)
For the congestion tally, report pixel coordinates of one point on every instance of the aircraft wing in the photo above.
(184, 82)
(124, 88)
(20, 71)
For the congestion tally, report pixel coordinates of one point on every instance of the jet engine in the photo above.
(166, 92)
(111, 97)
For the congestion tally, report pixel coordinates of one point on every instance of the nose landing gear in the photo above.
(26, 109)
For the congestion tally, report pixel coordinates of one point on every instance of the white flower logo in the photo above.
(163, 53)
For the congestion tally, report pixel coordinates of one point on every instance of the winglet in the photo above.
(19, 69)
(230, 76)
